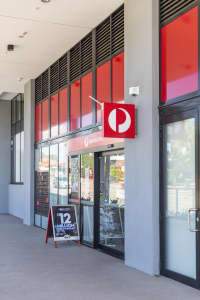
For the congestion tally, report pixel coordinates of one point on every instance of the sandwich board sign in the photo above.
(62, 224)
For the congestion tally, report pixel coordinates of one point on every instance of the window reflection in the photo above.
(63, 174)
(54, 174)
(112, 201)
(87, 196)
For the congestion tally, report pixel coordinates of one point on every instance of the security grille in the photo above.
(86, 53)
(38, 89)
(117, 30)
(171, 8)
(75, 61)
(45, 84)
(63, 70)
(54, 77)
(103, 41)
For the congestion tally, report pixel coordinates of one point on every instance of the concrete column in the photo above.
(142, 153)
(29, 118)
(5, 143)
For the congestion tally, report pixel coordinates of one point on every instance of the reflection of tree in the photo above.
(181, 152)
(87, 161)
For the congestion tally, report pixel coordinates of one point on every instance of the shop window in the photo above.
(103, 86)
(45, 119)
(63, 111)
(74, 179)
(86, 102)
(74, 183)
(41, 184)
(87, 196)
(179, 56)
(75, 106)
(118, 78)
(54, 174)
(63, 174)
(17, 139)
(54, 115)
(38, 122)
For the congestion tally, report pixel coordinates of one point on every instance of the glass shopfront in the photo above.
(94, 183)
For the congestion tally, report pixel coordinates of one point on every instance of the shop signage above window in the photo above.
(119, 120)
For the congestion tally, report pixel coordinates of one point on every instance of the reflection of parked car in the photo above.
(62, 182)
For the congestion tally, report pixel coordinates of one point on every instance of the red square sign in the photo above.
(119, 120)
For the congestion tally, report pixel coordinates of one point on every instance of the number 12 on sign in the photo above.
(63, 224)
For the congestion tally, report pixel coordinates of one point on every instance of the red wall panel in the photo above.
(63, 111)
(45, 129)
(38, 122)
(103, 87)
(75, 105)
(179, 56)
(118, 78)
(54, 115)
(86, 103)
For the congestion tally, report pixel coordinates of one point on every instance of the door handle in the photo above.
(194, 219)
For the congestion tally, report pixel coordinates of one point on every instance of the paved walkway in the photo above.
(31, 270)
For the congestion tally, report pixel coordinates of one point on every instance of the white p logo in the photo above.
(114, 123)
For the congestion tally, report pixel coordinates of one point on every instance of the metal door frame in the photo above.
(175, 115)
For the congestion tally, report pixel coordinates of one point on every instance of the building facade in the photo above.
(134, 197)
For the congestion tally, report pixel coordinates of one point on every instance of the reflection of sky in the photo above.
(182, 86)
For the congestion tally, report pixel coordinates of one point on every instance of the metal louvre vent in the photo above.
(63, 70)
(86, 53)
(75, 62)
(54, 77)
(45, 84)
(169, 8)
(103, 41)
(38, 89)
(117, 30)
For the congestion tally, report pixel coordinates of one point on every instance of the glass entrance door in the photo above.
(87, 198)
(112, 203)
(179, 195)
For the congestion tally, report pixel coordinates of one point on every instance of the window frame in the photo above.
(17, 127)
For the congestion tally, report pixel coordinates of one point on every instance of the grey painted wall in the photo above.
(5, 116)
(142, 154)
(16, 200)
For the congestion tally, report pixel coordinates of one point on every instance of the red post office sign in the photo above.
(119, 120)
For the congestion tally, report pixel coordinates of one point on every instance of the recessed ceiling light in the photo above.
(45, 1)
(22, 35)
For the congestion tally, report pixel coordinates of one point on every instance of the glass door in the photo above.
(178, 196)
(112, 203)
(87, 198)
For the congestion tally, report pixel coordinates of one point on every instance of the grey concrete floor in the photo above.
(30, 269)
